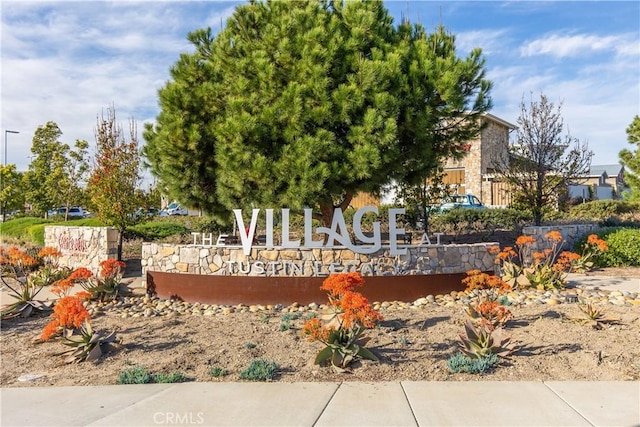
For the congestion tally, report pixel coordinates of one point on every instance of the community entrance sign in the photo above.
(335, 236)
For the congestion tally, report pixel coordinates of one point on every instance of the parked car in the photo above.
(174, 208)
(145, 212)
(462, 201)
(74, 212)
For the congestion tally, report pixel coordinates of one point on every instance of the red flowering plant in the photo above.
(71, 319)
(15, 266)
(49, 272)
(544, 269)
(107, 285)
(550, 265)
(487, 311)
(79, 276)
(590, 250)
(349, 317)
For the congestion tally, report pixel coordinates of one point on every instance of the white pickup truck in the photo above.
(174, 208)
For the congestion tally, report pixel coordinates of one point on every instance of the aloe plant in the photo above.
(87, 345)
(480, 341)
(595, 316)
(343, 345)
(25, 294)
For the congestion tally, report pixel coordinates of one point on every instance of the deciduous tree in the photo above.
(11, 190)
(630, 159)
(116, 173)
(54, 175)
(541, 162)
(306, 103)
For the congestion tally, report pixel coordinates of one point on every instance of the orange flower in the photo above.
(338, 284)
(111, 268)
(50, 330)
(48, 251)
(524, 240)
(357, 310)
(539, 256)
(554, 235)
(17, 258)
(505, 254)
(594, 240)
(68, 313)
(493, 250)
(565, 261)
(314, 331)
(478, 280)
(80, 273)
(493, 313)
(83, 295)
(62, 286)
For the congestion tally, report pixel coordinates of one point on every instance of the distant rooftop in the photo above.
(611, 170)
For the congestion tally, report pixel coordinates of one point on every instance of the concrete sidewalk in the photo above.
(606, 283)
(482, 403)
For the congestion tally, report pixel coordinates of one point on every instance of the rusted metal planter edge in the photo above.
(233, 290)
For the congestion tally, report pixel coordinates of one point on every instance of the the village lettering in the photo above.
(336, 236)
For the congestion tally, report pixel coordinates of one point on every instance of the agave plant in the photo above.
(343, 345)
(87, 345)
(25, 294)
(490, 313)
(48, 275)
(595, 316)
(480, 341)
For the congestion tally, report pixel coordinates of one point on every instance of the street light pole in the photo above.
(5, 144)
(4, 213)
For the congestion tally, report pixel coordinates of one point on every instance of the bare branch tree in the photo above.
(541, 162)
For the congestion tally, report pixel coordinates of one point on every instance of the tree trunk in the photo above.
(327, 208)
(120, 241)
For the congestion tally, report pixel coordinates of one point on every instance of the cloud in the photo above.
(562, 46)
(491, 41)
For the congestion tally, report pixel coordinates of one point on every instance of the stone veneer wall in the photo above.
(570, 233)
(215, 260)
(484, 151)
(83, 246)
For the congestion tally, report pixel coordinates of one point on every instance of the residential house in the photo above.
(474, 173)
(602, 182)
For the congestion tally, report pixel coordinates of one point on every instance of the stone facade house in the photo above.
(474, 173)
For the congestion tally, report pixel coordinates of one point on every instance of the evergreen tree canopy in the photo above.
(306, 103)
(630, 159)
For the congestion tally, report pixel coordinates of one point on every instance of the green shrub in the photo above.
(623, 243)
(156, 230)
(170, 378)
(471, 220)
(135, 375)
(624, 248)
(217, 372)
(17, 228)
(36, 234)
(260, 370)
(603, 210)
(461, 363)
(31, 229)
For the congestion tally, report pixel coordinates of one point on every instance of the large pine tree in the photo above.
(306, 103)
(630, 159)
